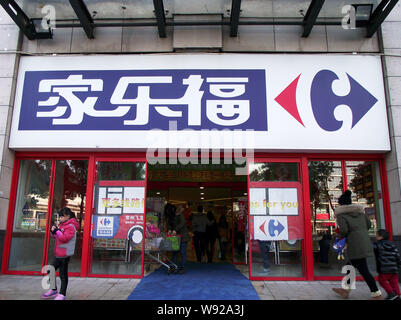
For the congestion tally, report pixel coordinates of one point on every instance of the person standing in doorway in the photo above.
(180, 228)
(212, 234)
(65, 237)
(354, 225)
(199, 223)
(224, 236)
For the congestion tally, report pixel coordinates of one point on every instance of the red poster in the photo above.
(127, 221)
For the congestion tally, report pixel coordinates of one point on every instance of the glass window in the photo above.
(325, 187)
(31, 206)
(273, 172)
(276, 232)
(70, 191)
(364, 181)
(118, 219)
(120, 171)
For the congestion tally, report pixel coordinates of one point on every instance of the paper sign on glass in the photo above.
(270, 228)
(274, 201)
(120, 200)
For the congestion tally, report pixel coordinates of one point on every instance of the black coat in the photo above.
(387, 257)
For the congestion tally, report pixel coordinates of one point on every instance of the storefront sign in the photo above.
(224, 101)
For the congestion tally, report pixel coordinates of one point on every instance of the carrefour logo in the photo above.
(324, 100)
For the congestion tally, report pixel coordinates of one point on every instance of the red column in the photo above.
(308, 247)
(88, 216)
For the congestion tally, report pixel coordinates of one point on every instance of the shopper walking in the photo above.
(199, 223)
(388, 264)
(353, 224)
(212, 234)
(180, 228)
(65, 237)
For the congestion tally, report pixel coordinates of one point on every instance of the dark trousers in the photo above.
(183, 252)
(210, 242)
(389, 282)
(62, 265)
(199, 244)
(223, 248)
(362, 266)
(264, 247)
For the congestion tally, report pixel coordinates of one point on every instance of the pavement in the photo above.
(13, 287)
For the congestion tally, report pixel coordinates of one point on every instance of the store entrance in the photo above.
(222, 195)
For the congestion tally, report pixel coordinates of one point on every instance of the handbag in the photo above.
(339, 246)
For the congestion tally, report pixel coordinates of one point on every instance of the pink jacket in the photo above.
(150, 228)
(65, 238)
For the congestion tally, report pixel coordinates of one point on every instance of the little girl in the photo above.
(65, 236)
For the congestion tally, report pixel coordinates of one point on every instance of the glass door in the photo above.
(44, 187)
(276, 220)
(118, 218)
(29, 229)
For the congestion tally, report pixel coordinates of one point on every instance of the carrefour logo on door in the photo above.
(324, 101)
(144, 99)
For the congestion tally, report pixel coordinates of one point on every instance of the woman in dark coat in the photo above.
(179, 227)
(353, 224)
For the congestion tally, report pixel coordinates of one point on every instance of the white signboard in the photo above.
(274, 201)
(263, 102)
(270, 228)
(120, 200)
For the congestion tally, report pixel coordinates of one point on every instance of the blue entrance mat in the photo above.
(201, 281)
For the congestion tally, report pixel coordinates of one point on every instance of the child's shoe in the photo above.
(49, 294)
(392, 296)
(59, 297)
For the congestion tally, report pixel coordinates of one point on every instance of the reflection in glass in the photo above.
(364, 181)
(325, 187)
(70, 191)
(273, 172)
(122, 171)
(276, 258)
(31, 206)
(116, 239)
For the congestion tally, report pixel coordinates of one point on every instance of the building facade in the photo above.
(286, 63)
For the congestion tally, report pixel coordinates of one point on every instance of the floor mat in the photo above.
(201, 281)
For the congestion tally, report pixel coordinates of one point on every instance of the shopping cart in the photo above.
(156, 249)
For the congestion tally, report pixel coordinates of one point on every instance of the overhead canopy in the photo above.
(30, 15)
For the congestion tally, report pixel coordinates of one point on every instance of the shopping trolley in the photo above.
(156, 249)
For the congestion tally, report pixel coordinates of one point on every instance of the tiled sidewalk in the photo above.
(30, 288)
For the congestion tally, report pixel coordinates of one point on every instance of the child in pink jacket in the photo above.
(65, 237)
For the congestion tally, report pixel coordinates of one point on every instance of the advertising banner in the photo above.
(117, 227)
(263, 102)
(120, 200)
